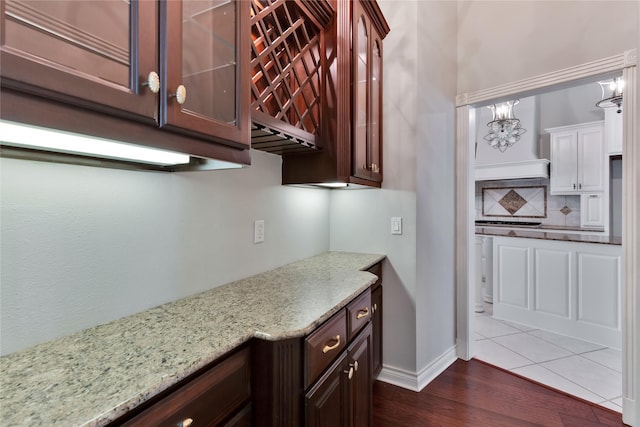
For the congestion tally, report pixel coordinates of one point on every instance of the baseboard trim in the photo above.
(417, 381)
(629, 415)
(435, 368)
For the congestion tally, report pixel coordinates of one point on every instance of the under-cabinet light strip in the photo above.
(27, 136)
(332, 184)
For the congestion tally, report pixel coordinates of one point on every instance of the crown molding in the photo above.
(614, 63)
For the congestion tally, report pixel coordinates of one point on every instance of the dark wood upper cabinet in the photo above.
(367, 97)
(351, 133)
(90, 53)
(204, 62)
(98, 55)
(286, 74)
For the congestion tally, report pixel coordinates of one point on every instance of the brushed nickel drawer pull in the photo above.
(362, 313)
(327, 348)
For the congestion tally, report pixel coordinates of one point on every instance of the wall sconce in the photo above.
(611, 93)
(504, 129)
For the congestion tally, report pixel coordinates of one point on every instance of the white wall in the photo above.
(360, 219)
(419, 173)
(525, 149)
(570, 106)
(501, 42)
(436, 177)
(82, 246)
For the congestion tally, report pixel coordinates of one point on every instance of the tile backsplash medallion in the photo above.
(526, 200)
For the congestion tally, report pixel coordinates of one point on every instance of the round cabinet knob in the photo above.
(349, 373)
(153, 82)
(181, 94)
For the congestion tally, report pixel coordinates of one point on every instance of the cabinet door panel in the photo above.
(361, 164)
(591, 159)
(552, 282)
(599, 289)
(205, 51)
(375, 140)
(325, 402)
(564, 166)
(95, 53)
(360, 383)
(593, 210)
(512, 275)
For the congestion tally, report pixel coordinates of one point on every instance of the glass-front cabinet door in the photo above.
(375, 123)
(205, 62)
(361, 165)
(96, 53)
(367, 97)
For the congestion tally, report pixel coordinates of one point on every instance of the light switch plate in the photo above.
(396, 225)
(258, 231)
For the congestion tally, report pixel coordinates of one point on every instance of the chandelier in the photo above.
(504, 129)
(611, 93)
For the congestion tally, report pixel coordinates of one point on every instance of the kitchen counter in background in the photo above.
(95, 376)
(549, 234)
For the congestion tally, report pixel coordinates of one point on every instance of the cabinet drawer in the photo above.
(359, 313)
(323, 345)
(209, 399)
(377, 270)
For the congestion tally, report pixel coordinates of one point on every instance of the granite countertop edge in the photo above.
(36, 383)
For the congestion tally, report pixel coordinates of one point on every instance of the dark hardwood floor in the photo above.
(476, 394)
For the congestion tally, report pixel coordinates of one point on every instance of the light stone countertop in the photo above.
(94, 376)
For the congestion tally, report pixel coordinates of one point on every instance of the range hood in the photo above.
(520, 161)
(536, 168)
(286, 80)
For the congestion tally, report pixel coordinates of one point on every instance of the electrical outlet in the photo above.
(396, 225)
(258, 231)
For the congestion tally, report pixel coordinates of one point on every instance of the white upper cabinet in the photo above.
(577, 159)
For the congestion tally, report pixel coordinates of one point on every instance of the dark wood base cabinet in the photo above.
(342, 396)
(325, 378)
(376, 319)
(216, 396)
(319, 380)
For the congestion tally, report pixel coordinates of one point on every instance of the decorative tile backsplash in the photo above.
(525, 200)
(515, 202)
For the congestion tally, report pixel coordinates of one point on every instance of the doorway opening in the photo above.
(517, 337)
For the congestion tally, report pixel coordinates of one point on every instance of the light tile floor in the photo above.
(583, 369)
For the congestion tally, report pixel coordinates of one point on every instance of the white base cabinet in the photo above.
(569, 288)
